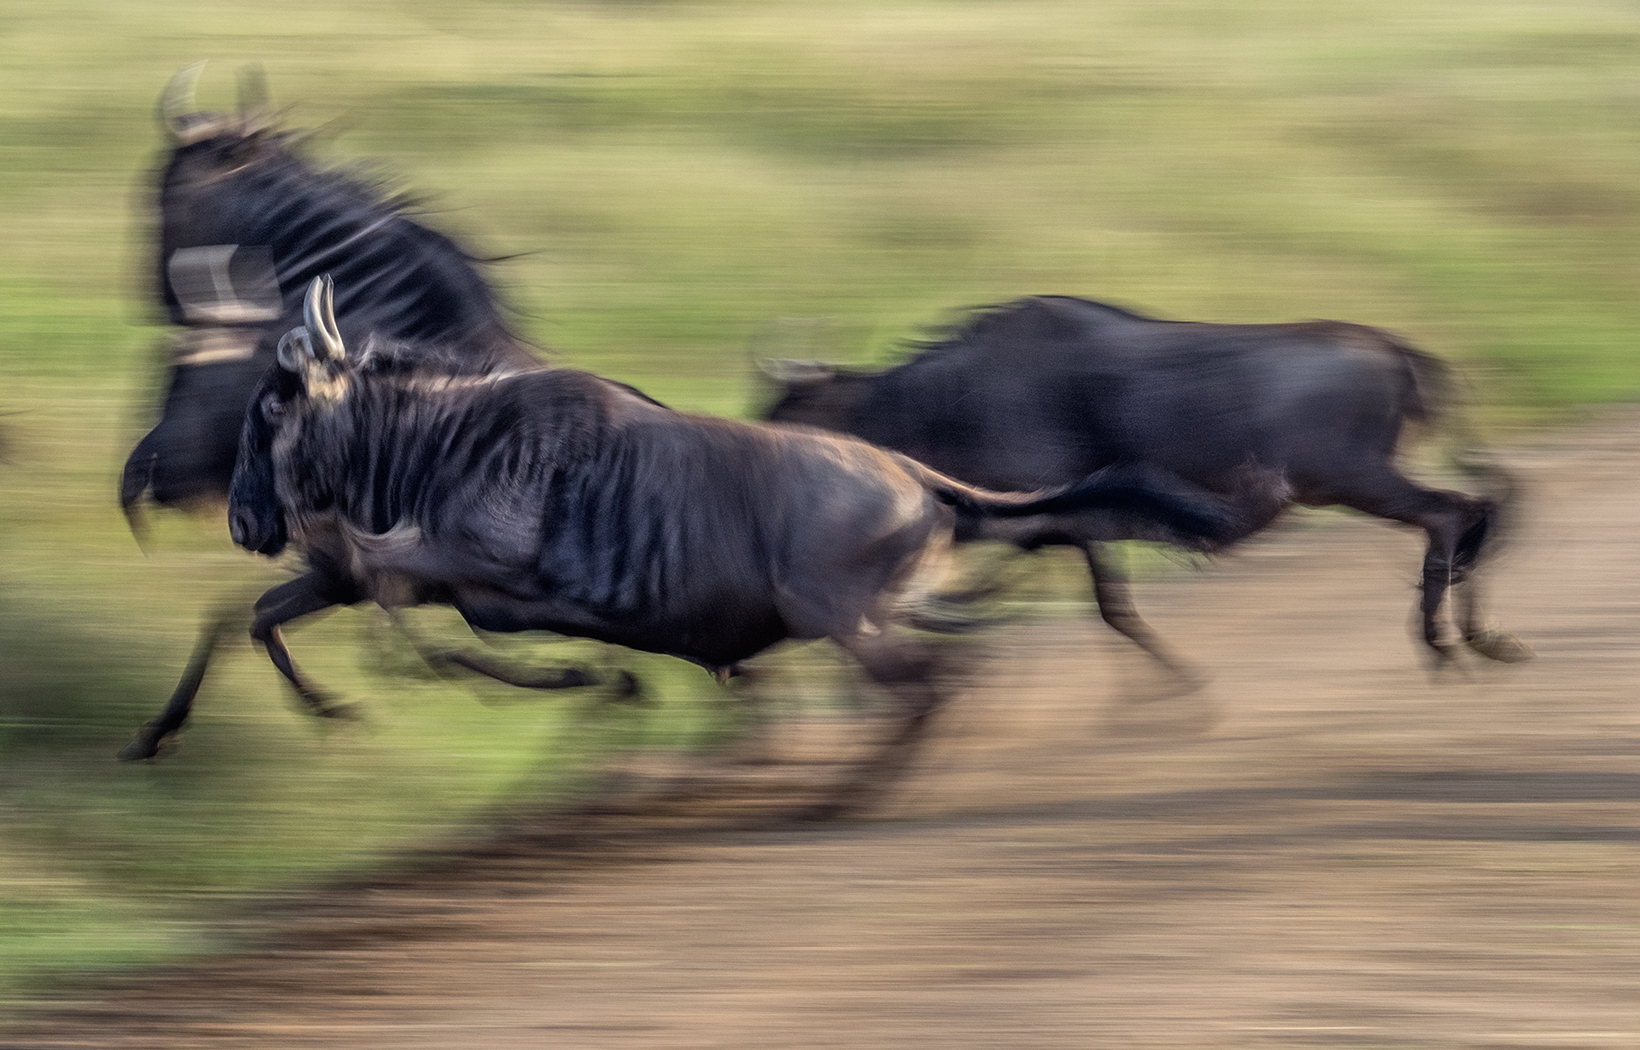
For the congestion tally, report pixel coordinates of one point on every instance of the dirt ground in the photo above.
(1326, 847)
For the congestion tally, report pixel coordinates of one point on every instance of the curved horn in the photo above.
(255, 103)
(176, 102)
(319, 311)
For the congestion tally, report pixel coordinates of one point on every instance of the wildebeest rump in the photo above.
(554, 500)
(1047, 389)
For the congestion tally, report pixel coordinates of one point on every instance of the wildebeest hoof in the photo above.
(1185, 682)
(821, 812)
(627, 690)
(144, 745)
(350, 712)
(1443, 657)
(1501, 646)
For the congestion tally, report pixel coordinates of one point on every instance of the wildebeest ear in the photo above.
(796, 373)
(295, 350)
(255, 103)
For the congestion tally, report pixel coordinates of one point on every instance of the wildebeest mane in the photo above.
(349, 222)
(246, 221)
(433, 360)
(1032, 317)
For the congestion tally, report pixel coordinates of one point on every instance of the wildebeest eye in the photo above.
(272, 408)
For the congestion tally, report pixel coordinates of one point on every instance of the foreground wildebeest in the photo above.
(245, 224)
(1048, 389)
(555, 500)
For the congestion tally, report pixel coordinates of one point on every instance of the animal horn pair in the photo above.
(318, 338)
(187, 126)
(319, 313)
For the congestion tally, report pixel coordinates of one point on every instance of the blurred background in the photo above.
(677, 184)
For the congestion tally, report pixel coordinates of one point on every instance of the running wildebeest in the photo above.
(1047, 389)
(245, 224)
(555, 500)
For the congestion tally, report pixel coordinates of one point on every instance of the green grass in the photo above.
(685, 183)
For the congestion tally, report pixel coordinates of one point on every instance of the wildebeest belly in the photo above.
(714, 638)
(713, 619)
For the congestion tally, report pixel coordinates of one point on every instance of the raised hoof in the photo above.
(144, 745)
(1443, 656)
(1502, 647)
(1183, 682)
(628, 691)
(350, 712)
(824, 812)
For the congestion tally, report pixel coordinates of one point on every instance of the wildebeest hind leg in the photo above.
(1446, 517)
(625, 685)
(906, 670)
(1110, 592)
(146, 743)
(289, 601)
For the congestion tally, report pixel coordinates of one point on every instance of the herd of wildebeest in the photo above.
(345, 378)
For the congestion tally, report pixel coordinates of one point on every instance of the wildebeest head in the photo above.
(207, 148)
(213, 279)
(209, 274)
(244, 213)
(813, 393)
(311, 374)
(188, 127)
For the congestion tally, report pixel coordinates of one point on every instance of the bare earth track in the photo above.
(1324, 848)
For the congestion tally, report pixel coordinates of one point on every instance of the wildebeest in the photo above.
(1047, 389)
(245, 224)
(555, 500)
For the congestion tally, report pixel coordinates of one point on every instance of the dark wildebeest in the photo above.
(554, 500)
(1048, 389)
(245, 224)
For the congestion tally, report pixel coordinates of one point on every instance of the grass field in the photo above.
(682, 183)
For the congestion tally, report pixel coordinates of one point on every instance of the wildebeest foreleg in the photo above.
(303, 596)
(907, 671)
(1110, 592)
(146, 743)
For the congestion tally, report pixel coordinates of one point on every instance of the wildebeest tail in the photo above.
(1187, 515)
(1433, 392)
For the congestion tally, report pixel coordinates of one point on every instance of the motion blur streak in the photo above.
(1321, 845)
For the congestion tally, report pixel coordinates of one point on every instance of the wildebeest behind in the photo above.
(555, 500)
(245, 223)
(1048, 389)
